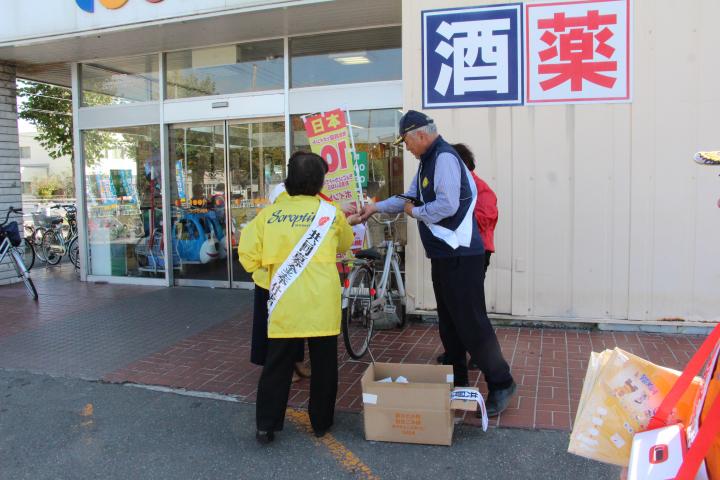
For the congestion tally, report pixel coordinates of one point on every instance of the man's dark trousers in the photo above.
(276, 378)
(463, 321)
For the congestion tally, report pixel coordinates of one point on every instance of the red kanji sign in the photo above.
(325, 122)
(578, 51)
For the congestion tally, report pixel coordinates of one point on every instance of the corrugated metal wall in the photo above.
(603, 214)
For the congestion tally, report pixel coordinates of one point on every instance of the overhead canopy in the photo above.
(48, 59)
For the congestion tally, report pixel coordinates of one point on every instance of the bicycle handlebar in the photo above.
(9, 211)
(386, 222)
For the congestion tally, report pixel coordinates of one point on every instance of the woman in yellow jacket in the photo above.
(309, 307)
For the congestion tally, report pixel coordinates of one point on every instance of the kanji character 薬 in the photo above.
(578, 39)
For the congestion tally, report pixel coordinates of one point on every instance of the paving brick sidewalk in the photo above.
(205, 346)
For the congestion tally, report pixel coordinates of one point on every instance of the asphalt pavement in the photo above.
(67, 428)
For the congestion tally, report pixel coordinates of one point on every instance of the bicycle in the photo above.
(373, 287)
(41, 221)
(11, 243)
(62, 239)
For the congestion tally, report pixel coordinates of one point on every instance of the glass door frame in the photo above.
(226, 123)
(187, 282)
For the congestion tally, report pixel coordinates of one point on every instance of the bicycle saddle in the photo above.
(368, 254)
(56, 220)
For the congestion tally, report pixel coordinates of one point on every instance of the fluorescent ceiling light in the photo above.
(350, 58)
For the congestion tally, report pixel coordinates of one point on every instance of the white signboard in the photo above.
(33, 19)
(579, 52)
(472, 57)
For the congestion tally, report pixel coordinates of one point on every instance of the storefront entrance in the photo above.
(221, 176)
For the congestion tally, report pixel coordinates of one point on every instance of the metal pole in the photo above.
(79, 159)
(352, 157)
(165, 185)
(228, 207)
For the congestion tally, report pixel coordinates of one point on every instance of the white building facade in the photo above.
(603, 215)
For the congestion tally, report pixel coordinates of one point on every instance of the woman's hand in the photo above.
(354, 219)
(349, 209)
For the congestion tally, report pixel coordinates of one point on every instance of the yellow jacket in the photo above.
(310, 307)
(260, 277)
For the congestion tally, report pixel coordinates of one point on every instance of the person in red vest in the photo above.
(486, 214)
(486, 211)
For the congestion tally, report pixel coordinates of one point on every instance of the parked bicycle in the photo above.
(373, 288)
(11, 243)
(41, 221)
(61, 239)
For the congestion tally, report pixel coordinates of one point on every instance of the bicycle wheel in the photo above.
(53, 247)
(37, 236)
(36, 242)
(27, 252)
(357, 321)
(74, 252)
(66, 231)
(24, 275)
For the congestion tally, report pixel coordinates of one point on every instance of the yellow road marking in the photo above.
(87, 412)
(347, 459)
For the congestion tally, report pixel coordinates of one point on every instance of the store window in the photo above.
(120, 81)
(346, 57)
(124, 202)
(248, 67)
(373, 133)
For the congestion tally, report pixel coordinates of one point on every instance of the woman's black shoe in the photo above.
(264, 437)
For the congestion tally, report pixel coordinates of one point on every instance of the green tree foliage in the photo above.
(49, 108)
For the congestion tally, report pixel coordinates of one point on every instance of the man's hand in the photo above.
(368, 211)
(409, 208)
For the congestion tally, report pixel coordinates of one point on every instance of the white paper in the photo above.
(385, 380)
(370, 399)
(450, 378)
(401, 379)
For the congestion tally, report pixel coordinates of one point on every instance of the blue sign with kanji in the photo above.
(473, 57)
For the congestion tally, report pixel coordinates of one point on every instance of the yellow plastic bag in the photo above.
(620, 394)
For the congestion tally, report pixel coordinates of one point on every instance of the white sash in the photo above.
(300, 256)
(471, 394)
(276, 191)
(461, 236)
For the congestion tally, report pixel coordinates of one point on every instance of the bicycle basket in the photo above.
(12, 232)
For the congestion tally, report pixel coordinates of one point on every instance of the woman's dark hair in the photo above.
(306, 174)
(465, 155)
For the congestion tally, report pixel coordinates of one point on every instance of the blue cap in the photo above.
(411, 121)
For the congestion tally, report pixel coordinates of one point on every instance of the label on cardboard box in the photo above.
(369, 399)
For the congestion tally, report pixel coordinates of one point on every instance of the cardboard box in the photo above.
(419, 411)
